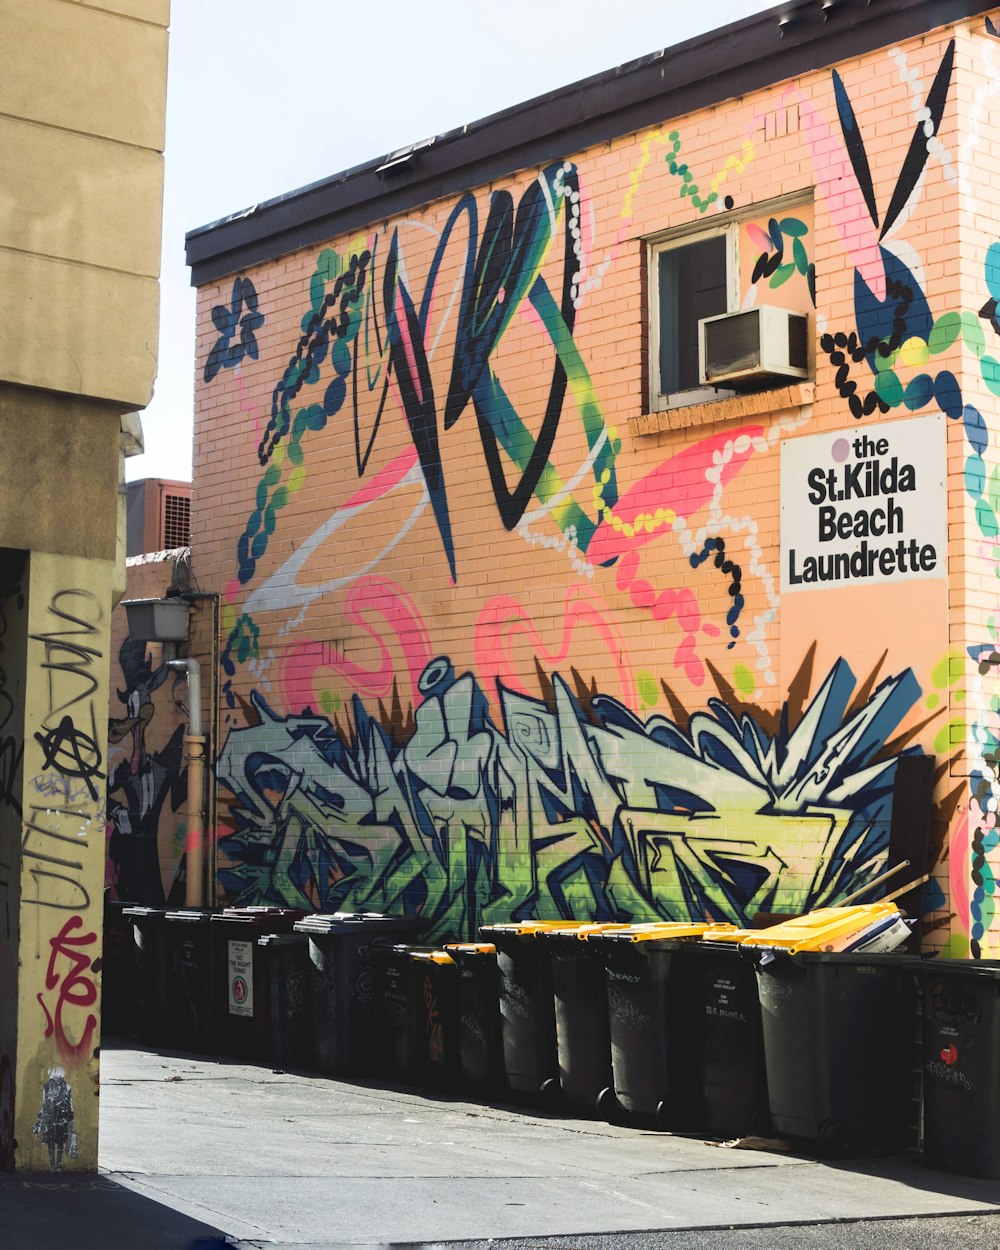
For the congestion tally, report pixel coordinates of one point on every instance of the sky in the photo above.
(265, 96)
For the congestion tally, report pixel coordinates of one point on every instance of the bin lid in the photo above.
(281, 939)
(143, 911)
(727, 933)
(578, 932)
(323, 924)
(192, 917)
(526, 928)
(650, 931)
(471, 948)
(940, 966)
(827, 929)
(435, 957)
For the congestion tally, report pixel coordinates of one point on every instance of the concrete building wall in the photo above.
(501, 637)
(82, 90)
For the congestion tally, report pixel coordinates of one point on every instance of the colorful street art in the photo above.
(569, 811)
(144, 785)
(492, 648)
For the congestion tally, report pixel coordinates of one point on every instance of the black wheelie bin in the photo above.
(148, 932)
(434, 974)
(527, 1016)
(727, 1038)
(580, 1005)
(241, 990)
(838, 1030)
(480, 1043)
(289, 985)
(190, 1023)
(961, 1065)
(649, 999)
(345, 985)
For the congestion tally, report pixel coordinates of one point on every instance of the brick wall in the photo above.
(502, 638)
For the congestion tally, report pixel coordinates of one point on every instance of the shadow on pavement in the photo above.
(92, 1212)
(909, 1170)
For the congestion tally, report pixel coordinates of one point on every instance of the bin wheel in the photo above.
(835, 1139)
(665, 1116)
(550, 1091)
(609, 1108)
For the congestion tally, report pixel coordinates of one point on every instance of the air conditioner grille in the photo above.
(176, 521)
(732, 344)
(798, 342)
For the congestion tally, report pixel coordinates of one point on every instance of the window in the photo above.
(759, 258)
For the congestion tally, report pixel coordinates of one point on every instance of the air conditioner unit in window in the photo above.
(753, 345)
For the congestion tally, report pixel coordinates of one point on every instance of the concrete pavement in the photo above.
(195, 1148)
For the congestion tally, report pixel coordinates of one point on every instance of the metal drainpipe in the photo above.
(194, 756)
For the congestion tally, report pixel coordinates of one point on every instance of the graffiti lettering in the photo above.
(11, 757)
(76, 989)
(435, 1025)
(69, 664)
(71, 756)
(39, 843)
(573, 811)
(72, 753)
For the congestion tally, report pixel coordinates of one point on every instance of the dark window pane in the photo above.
(692, 282)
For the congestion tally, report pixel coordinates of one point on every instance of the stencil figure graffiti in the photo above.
(55, 1123)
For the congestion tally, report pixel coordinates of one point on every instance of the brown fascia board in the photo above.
(781, 43)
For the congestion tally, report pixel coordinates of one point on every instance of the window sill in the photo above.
(779, 399)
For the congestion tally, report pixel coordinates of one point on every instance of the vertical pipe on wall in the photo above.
(194, 756)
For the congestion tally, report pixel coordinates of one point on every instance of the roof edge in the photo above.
(784, 41)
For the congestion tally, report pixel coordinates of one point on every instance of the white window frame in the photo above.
(727, 224)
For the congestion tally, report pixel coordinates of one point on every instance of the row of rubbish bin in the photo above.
(695, 1028)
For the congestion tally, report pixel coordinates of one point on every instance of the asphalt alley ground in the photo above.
(198, 1151)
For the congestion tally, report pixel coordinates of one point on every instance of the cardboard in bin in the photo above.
(871, 928)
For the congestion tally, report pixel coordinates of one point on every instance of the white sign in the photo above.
(241, 978)
(864, 505)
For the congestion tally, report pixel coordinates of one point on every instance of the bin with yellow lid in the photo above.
(724, 1039)
(838, 1030)
(434, 978)
(527, 1016)
(580, 1006)
(648, 995)
(480, 1046)
(875, 928)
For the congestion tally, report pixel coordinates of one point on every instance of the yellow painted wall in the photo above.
(82, 93)
(61, 875)
(82, 105)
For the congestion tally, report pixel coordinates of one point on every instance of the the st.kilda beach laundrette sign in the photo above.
(864, 505)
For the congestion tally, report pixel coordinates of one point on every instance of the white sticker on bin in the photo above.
(241, 978)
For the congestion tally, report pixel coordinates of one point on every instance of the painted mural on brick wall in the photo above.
(146, 785)
(610, 740)
(576, 807)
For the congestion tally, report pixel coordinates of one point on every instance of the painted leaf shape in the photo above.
(916, 156)
(855, 145)
(757, 237)
(781, 276)
(793, 227)
(993, 270)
